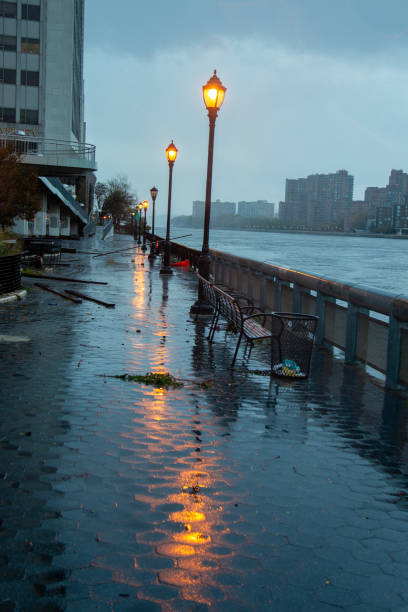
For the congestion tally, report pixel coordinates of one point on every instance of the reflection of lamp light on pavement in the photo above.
(171, 154)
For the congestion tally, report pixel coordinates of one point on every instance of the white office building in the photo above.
(42, 107)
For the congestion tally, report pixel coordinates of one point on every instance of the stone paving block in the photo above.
(337, 596)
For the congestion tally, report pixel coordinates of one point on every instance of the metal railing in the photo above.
(45, 147)
(90, 228)
(107, 229)
(367, 325)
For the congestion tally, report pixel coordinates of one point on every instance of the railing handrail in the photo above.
(49, 145)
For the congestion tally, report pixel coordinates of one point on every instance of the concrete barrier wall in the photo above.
(369, 326)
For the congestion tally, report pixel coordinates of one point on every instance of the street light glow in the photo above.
(171, 152)
(214, 92)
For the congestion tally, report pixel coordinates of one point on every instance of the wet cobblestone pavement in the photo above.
(229, 493)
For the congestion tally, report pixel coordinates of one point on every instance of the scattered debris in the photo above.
(4, 338)
(60, 293)
(118, 251)
(155, 379)
(61, 278)
(91, 299)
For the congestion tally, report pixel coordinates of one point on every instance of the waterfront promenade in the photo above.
(231, 492)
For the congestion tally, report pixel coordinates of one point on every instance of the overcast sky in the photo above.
(312, 86)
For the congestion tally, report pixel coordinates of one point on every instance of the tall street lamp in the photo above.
(213, 93)
(140, 207)
(153, 192)
(133, 225)
(171, 154)
(145, 205)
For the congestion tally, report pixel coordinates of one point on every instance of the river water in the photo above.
(380, 263)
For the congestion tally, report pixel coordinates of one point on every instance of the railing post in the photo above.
(277, 298)
(353, 313)
(297, 297)
(393, 353)
(262, 292)
(321, 302)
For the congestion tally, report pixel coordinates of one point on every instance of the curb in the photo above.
(14, 295)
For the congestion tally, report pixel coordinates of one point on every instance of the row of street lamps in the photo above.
(213, 93)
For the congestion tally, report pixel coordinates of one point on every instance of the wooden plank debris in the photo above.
(60, 293)
(118, 251)
(91, 299)
(62, 278)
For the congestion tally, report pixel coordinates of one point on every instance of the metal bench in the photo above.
(242, 319)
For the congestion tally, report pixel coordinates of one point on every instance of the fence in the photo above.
(90, 228)
(367, 325)
(107, 229)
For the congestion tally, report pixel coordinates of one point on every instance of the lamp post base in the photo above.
(151, 255)
(144, 248)
(166, 270)
(201, 307)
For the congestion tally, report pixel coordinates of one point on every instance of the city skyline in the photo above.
(308, 91)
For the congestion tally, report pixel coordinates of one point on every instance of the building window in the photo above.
(8, 115)
(29, 116)
(8, 9)
(30, 45)
(30, 77)
(7, 76)
(30, 12)
(8, 43)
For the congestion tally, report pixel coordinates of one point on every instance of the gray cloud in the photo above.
(347, 27)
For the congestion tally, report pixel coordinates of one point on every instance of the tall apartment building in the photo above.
(392, 194)
(42, 104)
(258, 209)
(317, 201)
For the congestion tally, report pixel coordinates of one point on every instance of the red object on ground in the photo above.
(184, 264)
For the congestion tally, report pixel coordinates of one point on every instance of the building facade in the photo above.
(319, 201)
(389, 204)
(258, 209)
(42, 96)
(218, 209)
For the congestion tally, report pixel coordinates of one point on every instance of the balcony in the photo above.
(52, 156)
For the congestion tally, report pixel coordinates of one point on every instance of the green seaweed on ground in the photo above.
(29, 271)
(155, 379)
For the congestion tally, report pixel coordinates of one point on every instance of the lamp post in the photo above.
(140, 207)
(171, 154)
(145, 205)
(213, 93)
(133, 225)
(153, 192)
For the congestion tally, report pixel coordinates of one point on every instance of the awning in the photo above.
(57, 188)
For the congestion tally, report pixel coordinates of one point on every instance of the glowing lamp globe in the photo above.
(214, 92)
(171, 153)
